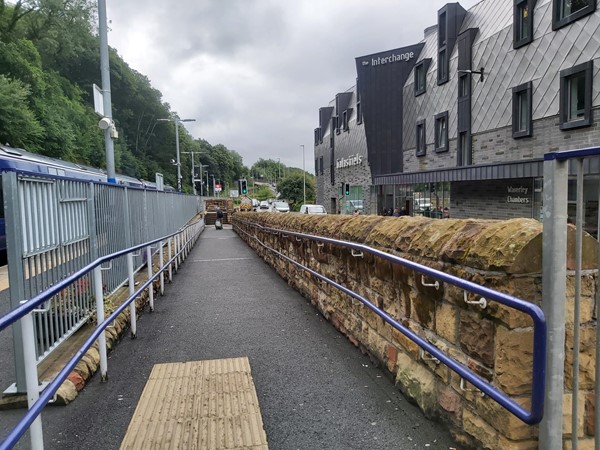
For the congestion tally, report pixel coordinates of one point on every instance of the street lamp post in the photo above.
(201, 184)
(193, 174)
(193, 171)
(303, 173)
(177, 121)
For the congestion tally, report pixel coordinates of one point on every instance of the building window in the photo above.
(576, 96)
(420, 78)
(332, 173)
(442, 66)
(421, 145)
(522, 123)
(318, 138)
(345, 121)
(358, 113)
(442, 29)
(441, 132)
(523, 22)
(566, 11)
(336, 124)
(320, 165)
(316, 166)
(464, 158)
(463, 86)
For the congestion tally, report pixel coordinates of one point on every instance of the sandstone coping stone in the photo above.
(512, 246)
(67, 392)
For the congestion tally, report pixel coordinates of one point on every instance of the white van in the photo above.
(312, 209)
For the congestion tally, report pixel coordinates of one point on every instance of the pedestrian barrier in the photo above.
(532, 416)
(571, 195)
(182, 241)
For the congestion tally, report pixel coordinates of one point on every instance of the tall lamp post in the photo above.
(303, 173)
(201, 184)
(177, 121)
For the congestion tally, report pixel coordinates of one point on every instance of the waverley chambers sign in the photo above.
(518, 194)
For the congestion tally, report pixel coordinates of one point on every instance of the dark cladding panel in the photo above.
(324, 117)
(342, 100)
(381, 79)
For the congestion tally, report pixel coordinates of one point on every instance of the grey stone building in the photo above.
(488, 92)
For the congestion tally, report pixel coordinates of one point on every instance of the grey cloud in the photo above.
(254, 72)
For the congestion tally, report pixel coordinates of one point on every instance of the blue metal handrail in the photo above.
(48, 393)
(571, 154)
(539, 332)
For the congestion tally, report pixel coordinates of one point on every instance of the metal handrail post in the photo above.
(132, 310)
(554, 252)
(16, 276)
(176, 243)
(577, 305)
(99, 319)
(178, 250)
(597, 370)
(170, 256)
(31, 378)
(162, 264)
(151, 287)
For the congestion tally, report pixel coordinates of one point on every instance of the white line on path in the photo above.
(224, 259)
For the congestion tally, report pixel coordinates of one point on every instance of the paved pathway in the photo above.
(316, 390)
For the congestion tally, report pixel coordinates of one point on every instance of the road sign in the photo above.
(218, 187)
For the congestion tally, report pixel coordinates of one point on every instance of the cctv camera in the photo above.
(104, 123)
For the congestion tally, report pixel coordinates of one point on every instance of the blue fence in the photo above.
(188, 236)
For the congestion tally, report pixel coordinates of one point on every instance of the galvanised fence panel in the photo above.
(55, 226)
(109, 202)
(54, 242)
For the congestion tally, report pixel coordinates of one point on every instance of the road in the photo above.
(316, 390)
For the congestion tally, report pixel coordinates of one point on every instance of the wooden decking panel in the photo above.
(198, 405)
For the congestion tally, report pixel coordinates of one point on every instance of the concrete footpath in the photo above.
(316, 390)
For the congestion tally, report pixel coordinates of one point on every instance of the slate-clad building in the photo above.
(464, 122)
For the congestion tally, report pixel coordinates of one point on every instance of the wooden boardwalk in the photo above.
(198, 405)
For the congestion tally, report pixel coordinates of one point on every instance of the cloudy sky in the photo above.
(254, 73)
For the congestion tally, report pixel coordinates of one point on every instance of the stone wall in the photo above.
(495, 342)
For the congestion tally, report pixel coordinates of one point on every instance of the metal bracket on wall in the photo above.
(357, 254)
(481, 302)
(464, 389)
(435, 285)
(426, 356)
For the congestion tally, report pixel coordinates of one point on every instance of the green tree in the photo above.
(292, 189)
(263, 192)
(19, 125)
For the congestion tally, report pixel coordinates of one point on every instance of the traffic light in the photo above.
(347, 188)
(243, 187)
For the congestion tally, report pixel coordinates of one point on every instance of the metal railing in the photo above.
(181, 240)
(57, 225)
(532, 416)
(559, 168)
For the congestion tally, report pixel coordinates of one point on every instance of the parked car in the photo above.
(422, 204)
(282, 207)
(264, 206)
(313, 209)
